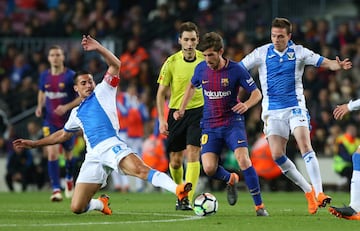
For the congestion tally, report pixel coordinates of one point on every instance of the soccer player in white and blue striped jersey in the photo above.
(96, 117)
(281, 65)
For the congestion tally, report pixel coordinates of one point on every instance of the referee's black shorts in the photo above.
(184, 131)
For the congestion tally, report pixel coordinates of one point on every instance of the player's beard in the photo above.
(214, 65)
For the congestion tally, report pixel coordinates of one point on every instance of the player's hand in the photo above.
(21, 144)
(346, 64)
(89, 44)
(163, 128)
(178, 114)
(38, 112)
(240, 108)
(340, 111)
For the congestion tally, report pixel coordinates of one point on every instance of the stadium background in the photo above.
(28, 28)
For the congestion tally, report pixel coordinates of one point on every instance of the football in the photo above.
(205, 204)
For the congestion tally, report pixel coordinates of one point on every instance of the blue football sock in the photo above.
(252, 182)
(68, 169)
(222, 174)
(54, 174)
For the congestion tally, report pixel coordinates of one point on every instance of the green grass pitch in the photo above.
(156, 211)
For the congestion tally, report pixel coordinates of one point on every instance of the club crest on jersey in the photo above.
(61, 85)
(291, 55)
(225, 82)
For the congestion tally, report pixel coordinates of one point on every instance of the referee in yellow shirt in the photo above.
(183, 136)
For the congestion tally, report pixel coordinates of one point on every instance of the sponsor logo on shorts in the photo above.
(296, 111)
(116, 149)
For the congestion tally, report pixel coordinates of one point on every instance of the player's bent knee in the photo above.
(77, 208)
(244, 164)
(175, 165)
(77, 212)
(176, 159)
(176, 162)
(209, 170)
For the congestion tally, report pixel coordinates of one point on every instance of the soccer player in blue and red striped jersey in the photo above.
(56, 98)
(223, 122)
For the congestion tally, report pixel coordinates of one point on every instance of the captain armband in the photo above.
(112, 80)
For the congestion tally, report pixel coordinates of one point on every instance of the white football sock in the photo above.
(95, 204)
(355, 191)
(290, 171)
(313, 170)
(160, 179)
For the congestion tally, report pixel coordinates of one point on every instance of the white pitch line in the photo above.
(181, 218)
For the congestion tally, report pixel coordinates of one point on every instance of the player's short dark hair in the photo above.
(56, 47)
(78, 73)
(211, 40)
(188, 26)
(282, 23)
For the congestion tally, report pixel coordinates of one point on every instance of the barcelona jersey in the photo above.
(220, 90)
(58, 90)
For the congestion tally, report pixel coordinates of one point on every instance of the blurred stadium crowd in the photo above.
(147, 31)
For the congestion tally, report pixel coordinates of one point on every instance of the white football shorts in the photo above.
(97, 167)
(282, 122)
